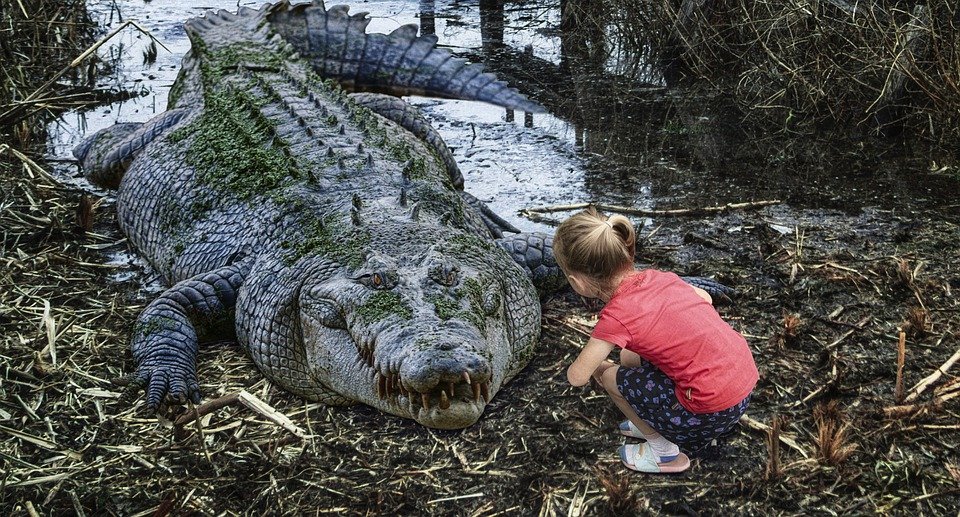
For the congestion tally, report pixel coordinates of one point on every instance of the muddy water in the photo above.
(643, 147)
(506, 164)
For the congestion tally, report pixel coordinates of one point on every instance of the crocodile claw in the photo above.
(496, 224)
(162, 386)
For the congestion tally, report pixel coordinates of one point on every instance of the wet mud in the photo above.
(859, 249)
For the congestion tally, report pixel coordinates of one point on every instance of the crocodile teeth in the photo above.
(476, 392)
(444, 401)
(485, 388)
(379, 386)
(466, 378)
(451, 389)
(426, 400)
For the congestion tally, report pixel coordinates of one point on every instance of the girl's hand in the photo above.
(602, 368)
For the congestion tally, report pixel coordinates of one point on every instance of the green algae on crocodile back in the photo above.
(285, 197)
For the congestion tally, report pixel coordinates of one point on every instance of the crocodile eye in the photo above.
(380, 280)
(444, 274)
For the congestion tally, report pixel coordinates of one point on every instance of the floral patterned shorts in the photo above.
(651, 394)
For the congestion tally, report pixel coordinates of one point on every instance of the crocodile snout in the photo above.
(443, 364)
(444, 383)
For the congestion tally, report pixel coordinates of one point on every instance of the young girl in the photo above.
(684, 376)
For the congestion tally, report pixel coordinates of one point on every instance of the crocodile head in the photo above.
(428, 332)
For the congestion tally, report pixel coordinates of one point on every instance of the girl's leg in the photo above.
(609, 380)
(664, 448)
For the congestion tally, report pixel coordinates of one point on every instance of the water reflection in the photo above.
(684, 146)
(615, 132)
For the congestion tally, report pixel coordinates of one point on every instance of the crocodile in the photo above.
(293, 201)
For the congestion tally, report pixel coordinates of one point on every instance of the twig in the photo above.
(199, 426)
(901, 358)
(774, 469)
(945, 393)
(932, 378)
(259, 406)
(754, 425)
(27, 162)
(859, 326)
(251, 402)
(207, 408)
(529, 212)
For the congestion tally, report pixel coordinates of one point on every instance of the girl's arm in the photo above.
(593, 353)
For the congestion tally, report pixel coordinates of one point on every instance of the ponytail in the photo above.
(594, 245)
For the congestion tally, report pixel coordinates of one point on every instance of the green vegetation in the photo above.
(332, 239)
(152, 326)
(382, 304)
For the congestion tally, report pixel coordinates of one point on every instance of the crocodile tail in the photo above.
(399, 63)
(106, 154)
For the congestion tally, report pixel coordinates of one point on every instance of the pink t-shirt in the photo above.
(661, 318)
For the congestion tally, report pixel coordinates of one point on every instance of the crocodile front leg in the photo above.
(164, 341)
(534, 253)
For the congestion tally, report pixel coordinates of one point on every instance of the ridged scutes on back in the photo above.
(399, 63)
(216, 29)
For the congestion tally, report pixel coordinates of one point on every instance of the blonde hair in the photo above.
(594, 245)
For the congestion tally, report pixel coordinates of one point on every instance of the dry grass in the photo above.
(70, 442)
(788, 334)
(38, 39)
(798, 67)
(622, 497)
(833, 434)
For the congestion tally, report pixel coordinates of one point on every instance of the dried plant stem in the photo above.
(925, 383)
(754, 425)
(901, 358)
(944, 393)
(650, 213)
(774, 470)
(35, 97)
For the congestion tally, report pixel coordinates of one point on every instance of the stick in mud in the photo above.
(925, 383)
(901, 358)
(651, 213)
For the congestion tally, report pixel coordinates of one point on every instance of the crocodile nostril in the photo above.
(446, 347)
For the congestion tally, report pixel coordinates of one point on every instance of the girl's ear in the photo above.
(580, 286)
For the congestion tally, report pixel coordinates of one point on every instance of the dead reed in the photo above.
(833, 434)
(798, 67)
